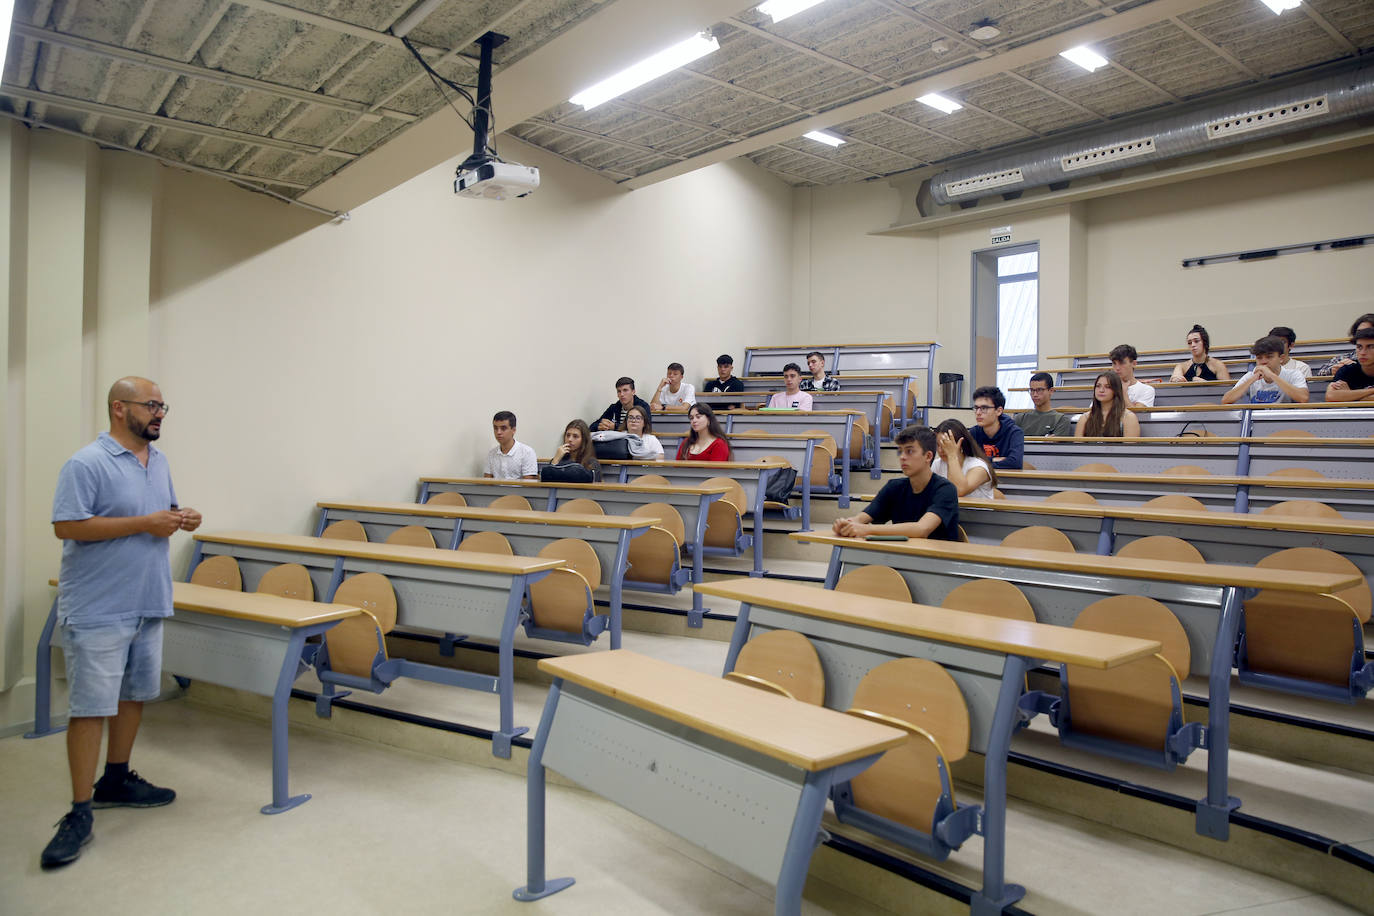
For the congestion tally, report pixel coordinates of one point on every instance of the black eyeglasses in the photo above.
(1035, 390)
(153, 407)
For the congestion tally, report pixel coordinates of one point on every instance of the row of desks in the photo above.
(1324, 419)
(1336, 459)
(1303, 349)
(1078, 394)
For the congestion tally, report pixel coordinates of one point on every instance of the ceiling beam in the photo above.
(1041, 49)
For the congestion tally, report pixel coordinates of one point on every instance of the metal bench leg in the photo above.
(42, 692)
(282, 800)
(996, 895)
(500, 741)
(1214, 811)
(537, 886)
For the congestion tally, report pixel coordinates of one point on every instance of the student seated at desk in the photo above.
(638, 434)
(673, 393)
(1108, 417)
(961, 463)
(705, 441)
(613, 417)
(1203, 366)
(1289, 338)
(1044, 420)
(575, 461)
(1270, 382)
(1355, 382)
(792, 396)
(920, 504)
(1000, 439)
(725, 381)
(509, 459)
(1336, 363)
(818, 380)
(1138, 394)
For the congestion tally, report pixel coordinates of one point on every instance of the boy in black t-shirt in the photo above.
(1355, 382)
(920, 505)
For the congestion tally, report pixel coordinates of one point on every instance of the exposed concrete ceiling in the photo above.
(319, 100)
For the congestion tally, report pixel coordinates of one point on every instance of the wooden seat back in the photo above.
(1131, 703)
(563, 599)
(1306, 636)
(218, 572)
(486, 542)
(919, 697)
(1096, 467)
(653, 557)
(411, 536)
(889, 411)
(993, 597)
(355, 643)
(1176, 501)
(667, 517)
(782, 662)
(651, 480)
(1187, 470)
(1302, 508)
(345, 529)
(1039, 537)
(582, 506)
(1071, 498)
(446, 498)
(723, 515)
(822, 464)
(1162, 547)
(875, 582)
(288, 580)
(826, 439)
(735, 496)
(510, 501)
(1298, 473)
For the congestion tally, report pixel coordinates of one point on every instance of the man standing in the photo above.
(673, 393)
(613, 417)
(818, 380)
(114, 511)
(1138, 394)
(509, 459)
(793, 397)
(920, 505)
(725, 365)
(1002, 442)
(1044, 420)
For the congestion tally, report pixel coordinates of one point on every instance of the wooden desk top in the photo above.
(1204, 387)
(1014, 637)
(533, 517)
(1092, 564)
(590, 487)
(1177, 516)
(1202, 441)
(1339, 342)
(842, 346)
(761, 464)
(418, 556)
(805, 736)
(1191, 480)
(898, 376)
(756, 413)
(286, 612)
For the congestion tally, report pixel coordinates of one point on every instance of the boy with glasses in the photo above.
(1001, 441)
(1044, 420)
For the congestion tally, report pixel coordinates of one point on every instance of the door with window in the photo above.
(1006, 320)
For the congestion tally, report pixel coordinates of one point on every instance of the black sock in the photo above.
(115, 772)
(81, 807)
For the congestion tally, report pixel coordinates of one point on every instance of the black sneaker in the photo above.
(133, 792)
(73, 832)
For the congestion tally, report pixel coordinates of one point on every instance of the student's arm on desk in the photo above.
(1238, 390)
(1340, 391)
(861, 526)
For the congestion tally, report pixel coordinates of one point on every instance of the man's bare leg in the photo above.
(83, 752)
(123, 731)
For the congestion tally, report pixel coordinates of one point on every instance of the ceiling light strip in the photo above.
(646, 70)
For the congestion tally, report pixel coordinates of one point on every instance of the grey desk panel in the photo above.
(464, 601)
(990, 526)
(1131, 457)
(242, 654)
(678, 777)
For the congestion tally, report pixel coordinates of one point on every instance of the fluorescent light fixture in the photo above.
(821, 136)
(650, 68)
(1085, 57)
(939, 102)
(1278, 6)
(6, 17)
(781, 9)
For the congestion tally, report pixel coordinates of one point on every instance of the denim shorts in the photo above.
(112, 662)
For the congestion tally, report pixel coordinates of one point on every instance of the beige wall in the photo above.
(1110, 267)
(307, 360)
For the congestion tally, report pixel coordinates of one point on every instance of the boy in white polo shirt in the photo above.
(508, 459)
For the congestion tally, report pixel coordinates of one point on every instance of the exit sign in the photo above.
(1001, 234)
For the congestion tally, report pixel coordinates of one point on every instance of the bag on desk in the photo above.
(611, 445)
(780, 485)
(567, 472)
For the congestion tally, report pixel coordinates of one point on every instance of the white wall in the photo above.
(308, 360)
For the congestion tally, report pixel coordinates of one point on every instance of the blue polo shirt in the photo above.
(122, 578)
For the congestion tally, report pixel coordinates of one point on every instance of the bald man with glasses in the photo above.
(114, 511)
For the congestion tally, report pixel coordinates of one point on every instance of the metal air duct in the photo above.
(1263, 114)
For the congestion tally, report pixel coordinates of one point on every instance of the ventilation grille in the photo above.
(1114, 153)
(985, 182)
(1259, 120)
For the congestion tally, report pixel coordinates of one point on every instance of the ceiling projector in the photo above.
(495, 180)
